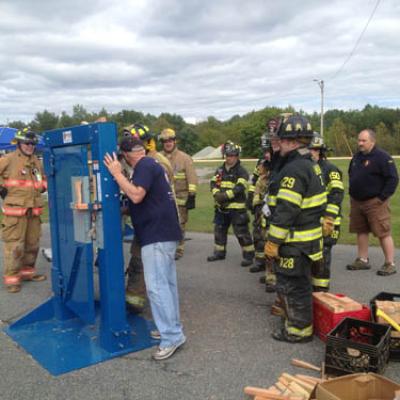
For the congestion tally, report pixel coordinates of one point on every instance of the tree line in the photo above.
(340, 127)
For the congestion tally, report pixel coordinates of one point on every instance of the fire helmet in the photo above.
(167, 134)
(231, 149)
(265, 141)
(317, 142)
(295, 127)
(26, 136)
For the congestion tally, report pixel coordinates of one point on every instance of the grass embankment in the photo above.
(200, 219)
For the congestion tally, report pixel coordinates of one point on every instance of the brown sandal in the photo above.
(13, 288)
(38, 278)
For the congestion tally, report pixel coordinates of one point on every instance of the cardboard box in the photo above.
(357, 387)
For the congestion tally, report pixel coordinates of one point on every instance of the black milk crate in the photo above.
(394, 341)
(357, 346)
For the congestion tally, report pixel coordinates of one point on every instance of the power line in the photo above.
(358, 41)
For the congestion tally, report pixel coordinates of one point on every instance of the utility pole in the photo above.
(321, 86)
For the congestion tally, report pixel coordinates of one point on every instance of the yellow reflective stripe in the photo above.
(218, 247)
(192, 188)
(335, 184)
(227, 185)
(271, 200)
(315, 256)
(260, 255)
(305, 236)
(291, 330)
(332, 208)
(256, 198)
(180, 175)
(243, 182)
(276, 231)
(320, 282)
(236, 206)
(314, 201)
(289, 195)
(252, 188)
(181, 202)
(215, 190)
(338, 220)
(230, 194)
(250, 247)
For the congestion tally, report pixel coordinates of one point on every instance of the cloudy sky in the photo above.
(195, 57)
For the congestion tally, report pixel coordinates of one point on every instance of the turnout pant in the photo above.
(21, 236)
(293, 286)
(136, 285)
(321, 270)
(240, 224)
(259, 234)
(183, 219)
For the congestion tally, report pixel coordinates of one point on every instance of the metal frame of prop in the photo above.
(73, 329)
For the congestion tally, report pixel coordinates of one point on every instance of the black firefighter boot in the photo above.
(216, 257)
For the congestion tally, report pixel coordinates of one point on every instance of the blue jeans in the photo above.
(161, 284)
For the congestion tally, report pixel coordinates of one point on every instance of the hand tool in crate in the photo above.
(357, 346)
(390, 305)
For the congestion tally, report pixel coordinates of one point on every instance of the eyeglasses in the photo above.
(30, 143)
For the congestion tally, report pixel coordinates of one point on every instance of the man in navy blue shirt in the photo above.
(155, 219)
(373, 179)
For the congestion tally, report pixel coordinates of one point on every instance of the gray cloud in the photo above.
(194, 58)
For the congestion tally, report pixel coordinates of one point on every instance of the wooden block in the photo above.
(274, 389)
(298, 390)
(308, 387)
(280, 386)
(256, 391)
(391, 308)
(303, 364)
(284, 380)
(337, 304)
(310, 378)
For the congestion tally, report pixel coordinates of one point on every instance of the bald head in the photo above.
(366, 140)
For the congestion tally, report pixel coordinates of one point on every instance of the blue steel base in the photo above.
(62, 346)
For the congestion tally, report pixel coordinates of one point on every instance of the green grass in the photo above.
(200, 219)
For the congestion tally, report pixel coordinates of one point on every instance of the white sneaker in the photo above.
(162, 353)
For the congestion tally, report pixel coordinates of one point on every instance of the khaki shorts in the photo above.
(371, 215)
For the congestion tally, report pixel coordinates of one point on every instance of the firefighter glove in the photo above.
(271, 249)
(220, 197)
(249, 201)
(3, 192)
(328, 225)
(191, 201)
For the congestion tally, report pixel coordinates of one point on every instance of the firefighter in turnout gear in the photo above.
(135, 294)
(260, 182)
(228, 187)
(295, 234)
(185, 180)
(332, 216)
(22, 183)
(270, 198)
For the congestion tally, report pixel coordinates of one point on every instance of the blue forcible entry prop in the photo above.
(72, 329)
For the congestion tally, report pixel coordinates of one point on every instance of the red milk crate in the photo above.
(325, 320)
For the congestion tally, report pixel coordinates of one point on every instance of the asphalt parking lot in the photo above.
(225, 312)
